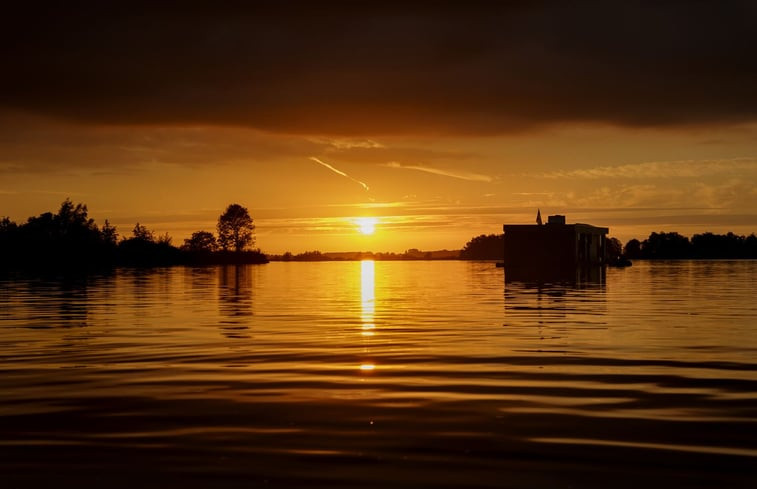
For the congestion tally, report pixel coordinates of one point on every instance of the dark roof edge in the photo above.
(556, 227)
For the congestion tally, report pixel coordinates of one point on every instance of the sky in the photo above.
(440, 120)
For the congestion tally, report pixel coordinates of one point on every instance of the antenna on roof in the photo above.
(538, 217)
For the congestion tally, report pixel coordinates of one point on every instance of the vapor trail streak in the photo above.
(338, 172)
(462, 175)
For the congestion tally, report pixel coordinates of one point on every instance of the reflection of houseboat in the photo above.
(554, 247)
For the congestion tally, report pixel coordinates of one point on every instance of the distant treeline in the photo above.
(411, 254)
(70, 239)
(484, 247)
(700, 246)
(656, 246)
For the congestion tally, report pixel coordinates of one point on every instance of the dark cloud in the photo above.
(358, 67)
(34, 145)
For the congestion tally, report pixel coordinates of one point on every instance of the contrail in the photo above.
(338, 172)
(462, 175)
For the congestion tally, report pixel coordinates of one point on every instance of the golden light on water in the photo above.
(367, 303)
(367, 294)
(367, 329)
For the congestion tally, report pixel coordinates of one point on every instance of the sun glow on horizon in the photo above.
(366, 225)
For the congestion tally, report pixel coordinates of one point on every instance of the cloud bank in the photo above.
(351, 68)
(663, 169)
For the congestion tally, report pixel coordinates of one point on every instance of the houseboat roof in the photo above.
(555, 224)
(551, 227)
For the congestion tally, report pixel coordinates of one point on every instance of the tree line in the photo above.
(412, 254)
(701, 246)
(664, 245)
(484, 247)
(71, 239)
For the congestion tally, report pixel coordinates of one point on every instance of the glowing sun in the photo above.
(366, 225)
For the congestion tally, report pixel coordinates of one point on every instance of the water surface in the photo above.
(386, 374)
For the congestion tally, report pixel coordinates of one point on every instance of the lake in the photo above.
(385, 374)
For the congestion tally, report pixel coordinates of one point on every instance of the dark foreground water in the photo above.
(420, 374)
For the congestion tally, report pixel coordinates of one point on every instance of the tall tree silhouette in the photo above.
(235, 229)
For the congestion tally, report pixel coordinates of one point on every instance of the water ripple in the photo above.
(420, 374)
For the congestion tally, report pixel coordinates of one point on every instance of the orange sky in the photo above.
(443, 125)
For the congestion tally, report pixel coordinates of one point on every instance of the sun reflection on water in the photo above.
(367, 303)
(367, 296)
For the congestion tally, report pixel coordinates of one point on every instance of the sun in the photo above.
(366, 225)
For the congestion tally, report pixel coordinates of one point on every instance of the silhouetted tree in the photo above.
(201, 242)
(8, 240)
(709, 245)
(6, 224)
(143, 249)
(613, 248)
(142, 233)
(310, 256)
(164, 239)
(8, 230)
(235, 229)
(68, 238)
(70, 217)
(70, 233)
(483, 247)
(109, 234)
(666, 245)
(632, 249)
(750, 246)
